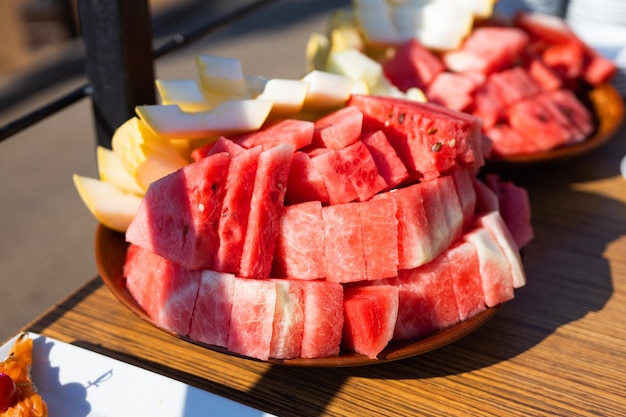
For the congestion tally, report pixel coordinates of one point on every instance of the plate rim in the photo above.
(110, 250)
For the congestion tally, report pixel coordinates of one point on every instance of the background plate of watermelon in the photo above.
(607, 107)
(110, 250)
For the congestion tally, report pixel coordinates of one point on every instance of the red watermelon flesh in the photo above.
(387, 161)
(236, 209)
(370, 315)
(305, 182)
(486, 198)
(488, 106)
(466, 194)
(575, 112)
(514, 84)
(487, 50)
(165, 290)
(210, 322)
(464, 270)
(547, 28)
(495, 270)
(427, 138)
(427, 301)
(533, 119)
(545, 76)
(323, 319)
(453, 90)
(344, 245)
(300, 246)
(514, 206)
(507, 141)
(296, 132)
(566, 59)
(222, 144)
(252, 318)
(414, 244)
(495, 225)
(379, 233)
(562, 112)
(288, 319)
(359, 167)
(338, 186)
(600, 70)
(179, 215)
(338, 129)
(266, 207)
(443, 211)
(412, 66)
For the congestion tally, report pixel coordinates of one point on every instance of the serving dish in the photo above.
(77, 382)
(110, 253)
(607, 108)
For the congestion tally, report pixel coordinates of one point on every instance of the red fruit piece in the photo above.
(8, 392)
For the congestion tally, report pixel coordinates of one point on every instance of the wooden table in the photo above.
(559, 348)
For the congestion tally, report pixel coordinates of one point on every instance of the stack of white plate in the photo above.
(609, 40)
(612, 12)
(508, 8)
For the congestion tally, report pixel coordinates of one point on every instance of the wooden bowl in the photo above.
(110, 251)
(607, 108)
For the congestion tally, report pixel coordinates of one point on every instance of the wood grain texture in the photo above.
(558, 348)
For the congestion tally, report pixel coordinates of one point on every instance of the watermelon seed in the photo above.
(431, 131)
(201, 208)
(401, 118)
(452, 143)
(437, 147)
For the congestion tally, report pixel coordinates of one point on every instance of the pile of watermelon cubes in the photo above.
(307, 239)
(523, 80)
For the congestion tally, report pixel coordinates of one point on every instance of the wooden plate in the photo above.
(110, 249)
(607, 107)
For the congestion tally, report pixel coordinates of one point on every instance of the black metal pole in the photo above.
(119, 60)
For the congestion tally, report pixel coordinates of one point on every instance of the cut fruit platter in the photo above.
(340, 219)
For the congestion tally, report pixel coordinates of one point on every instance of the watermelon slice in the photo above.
(210, 322)
(443, 211)
(379, 234)
(300, 246)
(296, 132)
(179, 215)
(453, 90)
(370, 315)
(330, 166)
(427, 301)
(358, 165)
(288, 326)
(323, 319)
(545, 76)
(488, 49)
(466, 193)
(414, 243)
(428, 139)
(464, 270)
(344, 243)
(165, 290)
(252, 317)
(514, 206)
(488, 106)
(222, 144)
(507, 141)
(486, 198)
(576, 113)
(495, 270)
(233, 221)
(338, 129)
(412, 66)
(266, 207)
(305, 182)
(514, 84)
(389, 165)
(496, 226)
